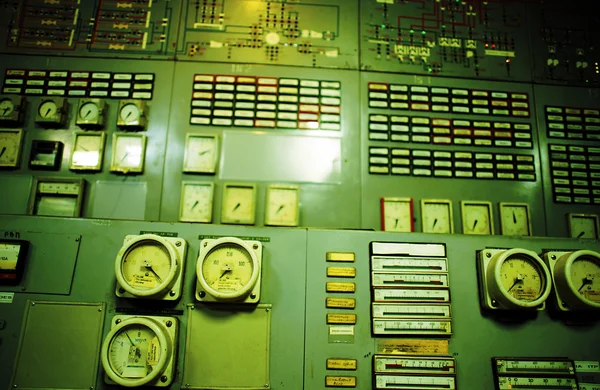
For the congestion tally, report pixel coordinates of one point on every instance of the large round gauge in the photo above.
(146, 265)
(136, 351)
(228, 268)
(518, 279)
(577, 279)
(6, 107)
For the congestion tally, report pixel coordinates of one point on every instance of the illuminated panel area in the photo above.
(479, 39)
(315, 34)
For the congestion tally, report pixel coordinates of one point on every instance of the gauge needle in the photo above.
(514, 218)
(586, 281)
(126, 154)
(434, 223)
(128, 114)
(518, 280)
(47, 112)
(195, 204)
(86, 114)
(475, 224)
(224, 272)
(2, 152)
(204, 152)
(84, 148)
(154, 272)
(129, 338)
(396, 224)
(580, 234)
(4, 113)
(280, 208)
(237, 206)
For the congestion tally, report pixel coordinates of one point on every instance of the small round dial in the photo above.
(48, 109)
(228, 269)
(146, 265)
(6, 107)
(135, 351)
(518, 278)
(89, 111)
(130, 113)
(577, 279)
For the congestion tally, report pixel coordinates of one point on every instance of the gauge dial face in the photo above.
(585, 275)
(522, 278)
(515, 219)
(89, 111)
(228, 268)
(238, 205)
(196, 202)
(477, 218)
(87, 151)
(10, 148)
(128, 153)
(146, 265)
(201, 154)
(129, 113)
(437, 217)
(134, 352)
(47, 109)
(282, 206)
(6, 107)
(397, 215)
(583, 226)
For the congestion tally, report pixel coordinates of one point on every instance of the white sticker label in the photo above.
(341, 330)
(6, 297)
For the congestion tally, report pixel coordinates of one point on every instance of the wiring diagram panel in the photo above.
(319, 33)
(473, 38)
(564, 43)
(104, 28)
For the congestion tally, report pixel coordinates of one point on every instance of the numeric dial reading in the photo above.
(397, 215)
(583, 226)
(477, 217)
(128, 154)
(132, 115)
(515, 219)
(239, 201)
(282, 206)
(196, 202)
(201, 154)
(577, 279)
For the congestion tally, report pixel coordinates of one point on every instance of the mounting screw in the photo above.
(23, 288)
(100, 310)
(488, 254)
(172, 293)
(266, 385)
(187, 385)
(91, 387)
(206, 243)
(202, 294)
(565, 304)
(77, 239)
(553, 257)
(163, 378)
(15, 386)
(494, 303)
(178, 243)
(32, 303)
(118, 321)
(252, 295)
(193, 307)
(255, 246)
(121, 290)
(169, 323)
(267, 309)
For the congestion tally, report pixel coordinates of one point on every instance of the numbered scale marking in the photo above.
(414, 365)
(526, 383)
(408, 264)
(528, 367)
(410, 295)
(412, 327)
(395, 310)
(382, 279)
(406, 382)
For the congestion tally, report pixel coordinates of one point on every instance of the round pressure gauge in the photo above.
(577, 279)
(227, 268)
(6, 107)
(47, 109)
(136, 351)
(146, 265)
(130, 112)
(518, 278)
(89, 111)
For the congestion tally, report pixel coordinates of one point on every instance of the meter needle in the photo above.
(396, 224)
(224, 272)
(518, 280)
(3, 150)
(280, 208)
(586, 281)
(514, 218)
(154, 272)
(434, 223)
(204, 152)
(86, 114)
(47, 112)
(129, 338)
(5, 110)
(237, 206)
(195, 204)
(475, 224)
(580, 234)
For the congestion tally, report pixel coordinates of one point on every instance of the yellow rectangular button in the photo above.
(340, 381)
(341, 364)
(341, 272)
(341, 319)
(340, 256)
(340, 303)
(345, 287)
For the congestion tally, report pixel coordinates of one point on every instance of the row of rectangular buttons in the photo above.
(79, 83)
(438, 99)
(574, 123)
(446, 131)
(575, 173)
(451, 164)
(266, 102)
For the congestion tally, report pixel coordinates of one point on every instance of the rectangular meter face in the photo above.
(410, 295)
(524, 383)
(388, 279)
(414, 365)
(412, 327)
(521, 366)
(408, 264)
(409, 382)
(410, 310)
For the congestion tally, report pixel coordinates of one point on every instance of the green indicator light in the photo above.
(423, 32)
(383, 26)
(412, 31)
